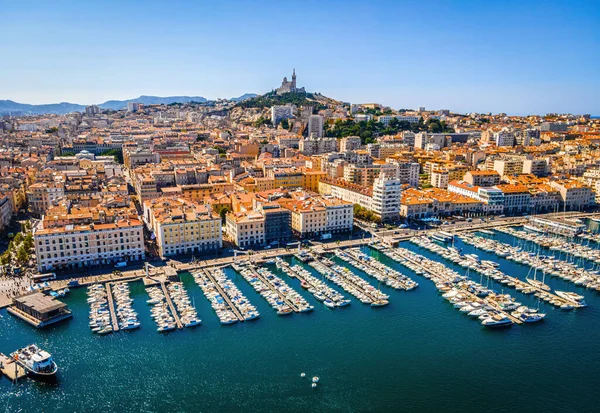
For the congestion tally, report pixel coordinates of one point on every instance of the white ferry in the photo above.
(35, 361)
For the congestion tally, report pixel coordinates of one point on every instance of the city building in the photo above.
(181, 226)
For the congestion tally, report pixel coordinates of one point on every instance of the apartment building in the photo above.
(246, 229)
(42, 195)
(281, 112)
(482, 178)
(574, 195)
(85, 239)
(182, 226)
(517, 198)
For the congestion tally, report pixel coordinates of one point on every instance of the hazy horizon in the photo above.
(511, 57)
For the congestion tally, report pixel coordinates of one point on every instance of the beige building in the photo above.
(83, 245)
(182, 226)
(41, 196)
(246, 229)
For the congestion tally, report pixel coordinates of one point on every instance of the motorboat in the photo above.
(35, 361)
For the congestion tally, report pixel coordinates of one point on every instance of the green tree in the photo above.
(285, 124)
(116, 153)
(5, 258)
(22, 255)
(68, 153)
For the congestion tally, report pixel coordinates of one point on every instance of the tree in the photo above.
(285, 124)
(223, 210)
(68, 153)
(53, 129)
(262, 121)
(116, 153)
(22, 255)
(5, 258)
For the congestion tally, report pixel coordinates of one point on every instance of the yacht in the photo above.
(496, 321)
(35, 361)
(573, 297)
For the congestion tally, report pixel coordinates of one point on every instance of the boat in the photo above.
(595, 219)
(379, 303)
(329, 303)
(35, 361)
(270, 262)
(573, 297)
(496, 321)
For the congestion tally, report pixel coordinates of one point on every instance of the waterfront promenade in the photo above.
(10, 287)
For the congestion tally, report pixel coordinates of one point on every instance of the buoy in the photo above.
(314, 385)
(315, 379)
(302, 374)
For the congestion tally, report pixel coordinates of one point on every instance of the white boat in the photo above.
(496, 321)
(35, 361)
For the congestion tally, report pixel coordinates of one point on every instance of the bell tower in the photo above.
(294, 80)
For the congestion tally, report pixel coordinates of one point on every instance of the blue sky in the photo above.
(518, 57)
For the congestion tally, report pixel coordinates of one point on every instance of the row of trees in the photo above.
(365, 215)
(18, 249)
(369, 130)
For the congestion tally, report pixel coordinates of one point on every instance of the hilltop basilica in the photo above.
(289, 87)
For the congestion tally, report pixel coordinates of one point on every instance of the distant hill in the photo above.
(151, 100)
(15, 108)
(10, 106)
(245, 96)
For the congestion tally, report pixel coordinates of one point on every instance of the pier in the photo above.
(316, 287)
(111, 308)
(439, 278)
(225, 296)
(268, 283)
(163, 286)
(11, 369)
(351, 283)
(376, 269)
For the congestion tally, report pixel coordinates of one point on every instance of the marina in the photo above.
(273, 289)
(101, 318)
(548, 264)
(491, 272)
(321, 291)
(226, 299)
(127, 317)
(181, 306)
(349, 282)
(492, 309)
(162, 313)
(382, 273)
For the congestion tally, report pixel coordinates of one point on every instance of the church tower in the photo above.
(294, 80)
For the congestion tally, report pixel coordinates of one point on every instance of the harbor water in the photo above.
(418, 354)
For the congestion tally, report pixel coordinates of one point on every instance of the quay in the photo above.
(111, 308)
(163, 286)
(225, 296)
(11, 369)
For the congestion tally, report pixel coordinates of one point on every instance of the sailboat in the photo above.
(535, 282)
(380, 302)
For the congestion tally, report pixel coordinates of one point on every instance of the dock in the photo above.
(163, 286)
(225, 296)
(436, 278)
(111, 308)
(268, 283)
(376, 269)
(11, 369)
(348, 281)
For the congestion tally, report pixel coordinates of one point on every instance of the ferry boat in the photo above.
(35, 361)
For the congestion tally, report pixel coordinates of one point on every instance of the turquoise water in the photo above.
(418, 354)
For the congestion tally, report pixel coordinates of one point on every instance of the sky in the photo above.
(517, 57)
